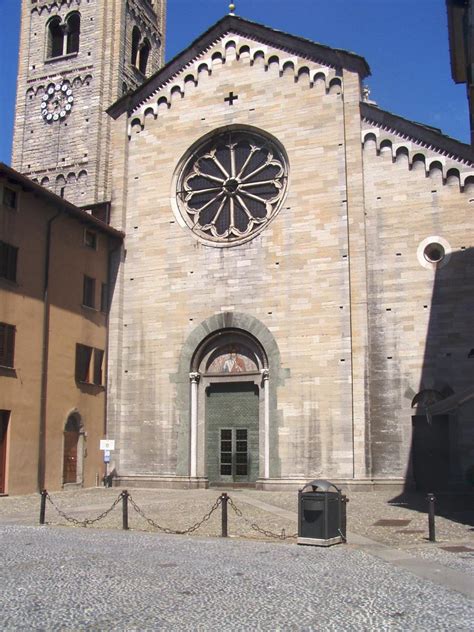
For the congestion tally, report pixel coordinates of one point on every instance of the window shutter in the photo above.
(83, 360)
(10, 344)
(7, 344)
(3, 346)
(11, 266)
(98, 362)
(3, 259)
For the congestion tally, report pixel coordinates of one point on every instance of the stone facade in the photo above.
(337, 290)
(337, 284)
(70, 156)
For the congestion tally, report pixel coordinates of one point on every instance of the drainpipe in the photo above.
(110, 262)
(44, 359)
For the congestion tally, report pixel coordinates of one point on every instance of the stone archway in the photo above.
(229, 403)
(73, 451)
(203, 373)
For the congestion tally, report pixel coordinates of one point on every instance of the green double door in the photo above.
(232, 432)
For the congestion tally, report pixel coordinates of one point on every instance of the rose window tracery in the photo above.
(232, 186)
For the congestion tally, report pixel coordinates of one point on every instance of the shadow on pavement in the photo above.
(458, 507)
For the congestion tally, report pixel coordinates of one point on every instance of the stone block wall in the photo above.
(420, 313)
(293, 277)
(70, 156)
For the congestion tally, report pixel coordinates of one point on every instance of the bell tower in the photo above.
(77, 57)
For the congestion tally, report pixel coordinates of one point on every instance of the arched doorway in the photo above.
(73, 452)
(430, 443)
(229, 409)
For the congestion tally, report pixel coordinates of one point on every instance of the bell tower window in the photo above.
(73, 31)
(55, 38)
(136, 35)
(144, 54)
(63, 37)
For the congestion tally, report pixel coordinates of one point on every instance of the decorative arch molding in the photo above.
(55, 6)
(75, 81)
(232, 321)
(235, 49)
(427, 160)
(267, 375)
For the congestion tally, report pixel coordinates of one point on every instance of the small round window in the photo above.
(434, 252)
(231, 186)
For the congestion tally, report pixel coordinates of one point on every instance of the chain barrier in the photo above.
(190, 529)
(89, 521)
(86, 521)
(256, 527)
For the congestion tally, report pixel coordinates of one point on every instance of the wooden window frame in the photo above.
(89, 365)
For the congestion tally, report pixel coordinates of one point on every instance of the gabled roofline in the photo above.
(70, 209)
(297, 45)
(429, 135)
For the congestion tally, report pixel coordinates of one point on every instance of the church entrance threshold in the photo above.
(232, 433)
(431, 452)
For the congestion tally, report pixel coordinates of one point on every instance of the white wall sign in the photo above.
(107, 444)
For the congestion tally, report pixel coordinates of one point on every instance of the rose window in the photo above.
(232, 186)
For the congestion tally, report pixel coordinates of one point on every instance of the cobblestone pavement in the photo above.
(388, 577)
(73, 579)
(180, 508)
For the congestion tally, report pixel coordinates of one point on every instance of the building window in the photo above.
(10, 198)
(231, 186)
(88, 294)
(90, 239)
(104, 298)
(83, 363)
(434, 252)
(63, 37)
(135, 42)
(55, 38)
(73, 32)
(144, 54)
(89, 365)
(8, 261)
(7, 345)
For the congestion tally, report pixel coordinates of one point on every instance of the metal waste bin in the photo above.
(321, 514)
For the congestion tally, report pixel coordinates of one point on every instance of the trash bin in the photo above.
(321, 514)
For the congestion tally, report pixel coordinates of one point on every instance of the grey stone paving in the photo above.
(56, 578)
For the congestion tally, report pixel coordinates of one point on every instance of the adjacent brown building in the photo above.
(54, 288)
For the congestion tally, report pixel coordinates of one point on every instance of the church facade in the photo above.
(295, 290)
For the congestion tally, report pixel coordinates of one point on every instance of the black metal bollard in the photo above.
(431, 517)
(44, 495)
(125, 509)
(225, 500)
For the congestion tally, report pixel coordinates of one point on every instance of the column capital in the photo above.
(194, 376)
(265, 374)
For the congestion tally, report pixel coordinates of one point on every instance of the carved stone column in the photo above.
(266, 422)
(194, 378)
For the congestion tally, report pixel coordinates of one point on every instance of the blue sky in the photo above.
(404, 41)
